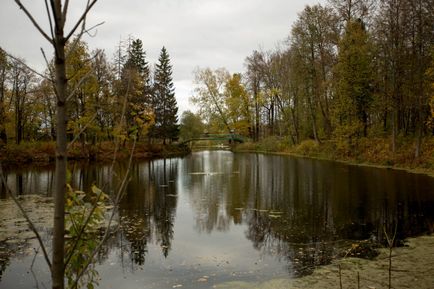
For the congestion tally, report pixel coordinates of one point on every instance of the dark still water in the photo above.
(215, 216)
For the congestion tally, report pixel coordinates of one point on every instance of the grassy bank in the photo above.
(365, 151)
(43, 153)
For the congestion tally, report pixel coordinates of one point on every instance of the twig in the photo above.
(87, 31)
(82, 18)
(124, 109)
(106, 234)
(83, 79)
(340, 277)
(82, 229)
(82, 130)
(119, 195)
(390, 242)
(23, 63)
(31, 268)
(77, 39)
(48, 66)
(23, 212)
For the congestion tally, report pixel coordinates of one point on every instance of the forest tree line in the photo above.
(349, 69)
(121, 97)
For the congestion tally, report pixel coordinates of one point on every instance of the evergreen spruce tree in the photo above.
(137, 61)
(165, 106)
(136, 85)
(354, 81)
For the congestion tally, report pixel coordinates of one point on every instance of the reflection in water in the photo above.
(27, 182)
(301, 209)
(4, 258)
(297, 212)
(147, 212)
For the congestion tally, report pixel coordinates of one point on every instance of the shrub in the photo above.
(307, 148)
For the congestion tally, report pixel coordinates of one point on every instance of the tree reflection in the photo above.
(209, 179)
(4, 258)
(147, 212)
(303, 211)
(299, 211)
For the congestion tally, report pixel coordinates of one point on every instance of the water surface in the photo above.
(215, 216)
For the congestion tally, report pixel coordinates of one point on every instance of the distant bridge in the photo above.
(231, 138)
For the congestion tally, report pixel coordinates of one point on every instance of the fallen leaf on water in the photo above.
(202, 280)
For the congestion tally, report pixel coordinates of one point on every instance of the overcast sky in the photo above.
(196, 33)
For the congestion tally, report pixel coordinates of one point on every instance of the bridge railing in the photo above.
(217, 137)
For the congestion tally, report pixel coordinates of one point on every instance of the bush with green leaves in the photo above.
(85, 215)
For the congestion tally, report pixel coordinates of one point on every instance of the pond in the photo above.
(218, 216)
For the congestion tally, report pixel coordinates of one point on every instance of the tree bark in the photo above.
(58, 268)
(3, 136)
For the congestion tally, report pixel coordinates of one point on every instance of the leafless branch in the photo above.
(81, 19)
(82, 130)
(23, 63)
(83, 79)
(120, 191)
(65, 9)
(124, 109)
(31, 268)
(77, 39)
(48, 65)
(50, 21)
(87, 31)
(25, 215)
(22, 7)
(390, 242)
(119, 196)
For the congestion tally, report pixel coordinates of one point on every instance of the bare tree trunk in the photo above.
(394, 130)
(58, 40)
(3, 136)
(61, 147)
(419, 124)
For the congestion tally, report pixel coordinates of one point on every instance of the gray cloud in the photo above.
(197, 33)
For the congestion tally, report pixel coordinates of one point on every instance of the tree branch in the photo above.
(84, 78)
(120, 190)
(23, 63)
(82, 18)
(65, 9)
(48, 66)
(23, 212)
(119, 196)
(82, 130)
(82, 229)
(50, 21)
(22, 7)
(87, 31)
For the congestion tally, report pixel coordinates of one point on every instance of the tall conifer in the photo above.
(165, 106)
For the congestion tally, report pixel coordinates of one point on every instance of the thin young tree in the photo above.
(4, 67)
(57, 11)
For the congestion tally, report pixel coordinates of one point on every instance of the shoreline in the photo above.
(43, 154)
(421, 171)
(412, 267)
(367, 155)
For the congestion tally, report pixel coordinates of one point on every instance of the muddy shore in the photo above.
(412, 267)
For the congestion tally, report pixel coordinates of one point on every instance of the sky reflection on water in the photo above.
(216, 216)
